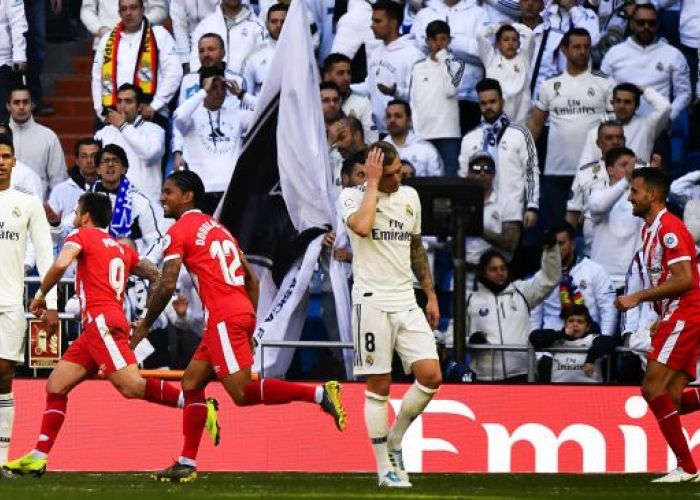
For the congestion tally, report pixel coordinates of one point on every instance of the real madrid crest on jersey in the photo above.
(670, 240)
(591, 91)
(659, 66)
(16, 212)
(409, 210)
(557, 87)
(483, 312)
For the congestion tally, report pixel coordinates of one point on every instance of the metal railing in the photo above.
(529, 349)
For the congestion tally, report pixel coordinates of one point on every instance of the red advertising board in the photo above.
(466, 428)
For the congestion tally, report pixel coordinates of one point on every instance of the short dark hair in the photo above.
(629, 87)
(393, 10)
(400, 102)
(616, 153)
(649, 6)
(578, 310)
(437, 27)
(390, 153)
(98, 206)
(505, 28)
(354, 125)
(189, 182)
(489, 84)
(574, 32)
(278, 7)
(653, 177)
(19, 88)
(6, 130)
(610, 123)
(215, 36)
(333, 59)
(85, 141)
(140, 97)
(116, 151)
(352, 160)
(329, 86)
(209, 71)
(6, 140)
(564, 227)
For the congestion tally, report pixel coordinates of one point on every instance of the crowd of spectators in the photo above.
(549, 104)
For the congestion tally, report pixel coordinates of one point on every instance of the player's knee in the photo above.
(431, 380)
(189, 384)
(651, 390)
(238, 396)
(380, 387)
(131, 391)
(53, 387)
(6, 377)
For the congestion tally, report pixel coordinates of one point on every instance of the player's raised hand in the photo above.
(374, 165)
(50, 318)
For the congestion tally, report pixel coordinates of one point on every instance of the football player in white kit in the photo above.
(21, 214)
(384, 224)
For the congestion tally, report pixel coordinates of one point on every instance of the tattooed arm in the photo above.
(421, 269)
(147, 270)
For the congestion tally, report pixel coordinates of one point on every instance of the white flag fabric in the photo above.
(280, 200)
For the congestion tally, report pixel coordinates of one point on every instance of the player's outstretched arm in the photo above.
(680, 280)
(147, 270)
(68, 254)
(252, 283)
(159, 299)
(421, 269)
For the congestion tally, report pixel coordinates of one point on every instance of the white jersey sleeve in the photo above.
(40, 233)
(350, 201)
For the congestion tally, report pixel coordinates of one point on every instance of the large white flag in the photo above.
(280, 200)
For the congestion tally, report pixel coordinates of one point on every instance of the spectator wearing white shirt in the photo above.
(498, 234)
(565, 15)
(615, 228)
(99, 16)
(354, 30)
(513, 149)
(186, 15)
(422, 155)
(592, 176)
(650, 61)
(689, 36)
(433, 93)
(212, 124)
(143, 141)
(575, 102)
(133, 61)
(258, 63)
(36, 146)
(337, 68)
(583, 282)
(640, 131)
(464, 17)
(13, 49)
(389, 65)
(237, 26)
(509, 63)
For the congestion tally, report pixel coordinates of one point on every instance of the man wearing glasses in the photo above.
(649, 61)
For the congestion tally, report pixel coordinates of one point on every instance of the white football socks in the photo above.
(7, 418)
(414, 402)
(376, 421)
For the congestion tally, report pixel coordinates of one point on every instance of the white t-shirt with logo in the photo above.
(381, 262)
(575, 104)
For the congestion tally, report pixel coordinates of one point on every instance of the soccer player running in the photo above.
(669, 256)
(384, 222)
(228, 288)
(21, 215)
(103, 268)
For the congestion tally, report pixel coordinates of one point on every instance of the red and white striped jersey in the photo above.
(665, 242)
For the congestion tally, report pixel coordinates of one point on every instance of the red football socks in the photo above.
(669, 420)
(51, 423)
(690, 401)
(272, 391)
(193, 419)
(162, 393)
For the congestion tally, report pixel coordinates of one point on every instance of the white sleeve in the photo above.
(89, 17)
(171, 71)
(148, 145)
(586, 18)
(483, 37)
(575, 202)
(683, 186)
(531, 172)
(680, 77)
(157, 11)
(97, 76)
(661, 109)
(605, 301)
(590, 152)
(435, 166)
(178, 14)
(18, 27)
(601, 201)
(536, 289)
(56, 165)
(40, 234)
(350, 200)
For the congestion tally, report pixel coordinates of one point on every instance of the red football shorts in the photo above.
(676, 344)
(103, 345)
(226, 344)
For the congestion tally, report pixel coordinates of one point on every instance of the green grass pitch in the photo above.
(212, 486)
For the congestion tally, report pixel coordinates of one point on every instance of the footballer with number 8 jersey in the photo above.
(228, 288)
(103, 267)
(669, 256)
(384, 222)
(21, 215)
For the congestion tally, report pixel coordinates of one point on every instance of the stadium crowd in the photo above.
(549, 104)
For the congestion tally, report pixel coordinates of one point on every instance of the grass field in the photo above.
(73, 486)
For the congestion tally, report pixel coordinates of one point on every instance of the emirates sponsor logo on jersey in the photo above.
(6, 234)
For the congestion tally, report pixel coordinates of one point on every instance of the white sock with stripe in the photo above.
(414, 402)
(376, 420)
(7, 418)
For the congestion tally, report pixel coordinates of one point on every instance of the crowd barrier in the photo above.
(466, 428)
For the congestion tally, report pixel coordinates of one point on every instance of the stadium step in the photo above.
(68, 142)
(83, 125)
(83, 65)
(73, 86)
(72, 106)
